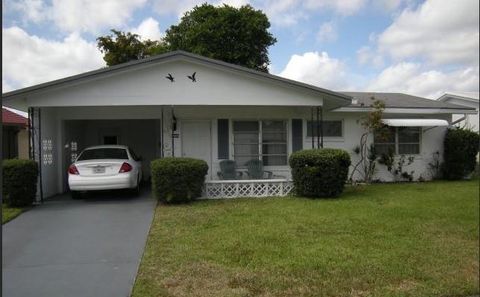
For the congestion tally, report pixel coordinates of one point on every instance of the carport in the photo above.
(66, 131)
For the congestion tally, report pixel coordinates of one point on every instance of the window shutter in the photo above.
(297, 134)
(223, 143)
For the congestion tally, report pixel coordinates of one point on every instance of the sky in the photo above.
(423, 48)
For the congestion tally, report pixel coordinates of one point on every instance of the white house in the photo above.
(229, 112)
(464, 99)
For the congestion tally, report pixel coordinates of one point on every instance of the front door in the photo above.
(196, 140)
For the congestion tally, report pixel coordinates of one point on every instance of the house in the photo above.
(14, 135)
(463, 99)
(226, 112)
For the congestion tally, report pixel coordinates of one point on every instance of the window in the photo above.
(110, 139)
(408, 140)
(103, 153)
(264, 140)
(401, 141)
(330, 128)
(245, 141)
(385, 142)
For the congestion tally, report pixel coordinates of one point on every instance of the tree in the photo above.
(122, 47)
(234, 35)
(372, 123)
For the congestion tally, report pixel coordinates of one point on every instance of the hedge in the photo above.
(319, 172)
(460, 151)
(178, 180)
(19, 182)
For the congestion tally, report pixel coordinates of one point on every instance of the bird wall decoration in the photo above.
(192, 77)
(170, 78)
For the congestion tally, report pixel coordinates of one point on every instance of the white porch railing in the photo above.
(218, 189)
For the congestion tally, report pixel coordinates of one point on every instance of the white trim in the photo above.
(407, 110)
(415, 122)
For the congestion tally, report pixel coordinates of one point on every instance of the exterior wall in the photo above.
(431, 137)
(54, 132)
(23, 144)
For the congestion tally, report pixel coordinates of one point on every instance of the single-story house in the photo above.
(181, 104)
(14, 135)
(467, 100)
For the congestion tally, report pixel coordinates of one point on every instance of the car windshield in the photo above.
(104, 153)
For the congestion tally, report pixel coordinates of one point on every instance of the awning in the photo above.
(414, 122)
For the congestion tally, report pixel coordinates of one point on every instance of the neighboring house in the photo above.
(14, 135)
(464, 99)
(229, 112)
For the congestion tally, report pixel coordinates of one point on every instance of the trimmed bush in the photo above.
(319, 172)
(178, 180)
(19, 182)
(460, 151)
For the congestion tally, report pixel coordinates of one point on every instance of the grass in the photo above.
(9, 213)
(379, 240)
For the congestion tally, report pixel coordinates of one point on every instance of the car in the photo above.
(105, 167)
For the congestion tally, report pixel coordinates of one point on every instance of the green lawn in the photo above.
(9, 213)
(380, 240)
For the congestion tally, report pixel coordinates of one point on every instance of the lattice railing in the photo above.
(217, 189)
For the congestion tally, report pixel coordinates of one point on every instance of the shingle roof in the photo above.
(11, 118)
(398, 100)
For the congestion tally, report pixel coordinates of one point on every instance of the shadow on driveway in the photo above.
(88, 247)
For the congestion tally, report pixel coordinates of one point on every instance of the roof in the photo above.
(342, 98)
(464, 96)
(399, 100)
(11, 118)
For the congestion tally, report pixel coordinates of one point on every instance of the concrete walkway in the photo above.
(75, 248)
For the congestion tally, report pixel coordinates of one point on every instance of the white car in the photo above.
(105, 167)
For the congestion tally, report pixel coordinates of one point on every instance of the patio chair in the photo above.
(228, 170)
(255, 170)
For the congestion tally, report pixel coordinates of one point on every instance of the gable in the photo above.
(145, 84)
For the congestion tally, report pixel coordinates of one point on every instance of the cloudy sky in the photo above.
(423, 48)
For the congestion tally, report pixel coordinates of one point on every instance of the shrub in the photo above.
(460, 151)
(19, 182)
(177, 180)
(319, 172)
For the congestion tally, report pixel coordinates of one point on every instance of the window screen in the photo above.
(330, 128)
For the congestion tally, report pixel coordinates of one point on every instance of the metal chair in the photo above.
(255, 170)
(228, 170)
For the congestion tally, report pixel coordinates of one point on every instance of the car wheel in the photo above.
(136, 190)
(76, 195)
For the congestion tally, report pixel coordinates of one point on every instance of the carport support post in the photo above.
(30, 134)
(173, 132)
(318, 129)
(162, 154)
(321, 126)
(311, 127)
(40, 153)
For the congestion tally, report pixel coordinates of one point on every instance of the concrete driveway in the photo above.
(74, 248)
